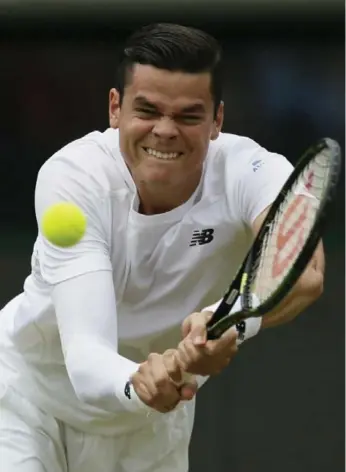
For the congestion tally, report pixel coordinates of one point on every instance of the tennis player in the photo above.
(92, 352)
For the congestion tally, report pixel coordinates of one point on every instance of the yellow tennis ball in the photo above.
(64, 224)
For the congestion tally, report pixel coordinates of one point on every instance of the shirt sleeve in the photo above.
(260, 183)
(81, 281)
(61, 181)
(86, 314)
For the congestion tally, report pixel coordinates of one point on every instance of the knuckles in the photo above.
(153, 357)
(210, 359)
(154, 385)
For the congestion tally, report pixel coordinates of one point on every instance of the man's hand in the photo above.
(200, 356)
(157, 382)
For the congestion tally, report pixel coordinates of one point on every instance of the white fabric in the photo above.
(34, 441)
(158, 277)
(252, 328)
(99, 380)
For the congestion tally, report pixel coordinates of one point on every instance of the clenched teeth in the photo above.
(162, 155)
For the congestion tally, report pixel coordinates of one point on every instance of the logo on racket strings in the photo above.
(295, 232)
(309, 180)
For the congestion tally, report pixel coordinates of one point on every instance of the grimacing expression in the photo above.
(166, 121)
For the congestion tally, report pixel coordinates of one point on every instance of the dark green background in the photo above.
(280, 406)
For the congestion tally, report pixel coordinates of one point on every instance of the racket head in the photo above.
(242, 284)
(303, 201)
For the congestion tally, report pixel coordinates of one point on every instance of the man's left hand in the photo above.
(200, 356)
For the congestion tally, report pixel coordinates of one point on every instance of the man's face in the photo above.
(165, 123)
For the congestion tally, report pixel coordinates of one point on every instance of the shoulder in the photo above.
(233, 159)
(246, 173)
(90, 161)
(88, 172)
(240, 152)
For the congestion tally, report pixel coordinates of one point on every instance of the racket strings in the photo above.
(290, 228)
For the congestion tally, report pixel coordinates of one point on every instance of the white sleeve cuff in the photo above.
(126, 393)
(100, 376)
(248, 329)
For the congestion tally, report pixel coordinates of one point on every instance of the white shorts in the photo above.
(33, 441)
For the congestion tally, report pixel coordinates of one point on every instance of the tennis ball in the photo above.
(63, 224)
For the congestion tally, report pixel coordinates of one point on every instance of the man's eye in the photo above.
(190, 119)
(146, 112)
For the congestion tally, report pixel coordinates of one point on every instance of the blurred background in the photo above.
(280, 407)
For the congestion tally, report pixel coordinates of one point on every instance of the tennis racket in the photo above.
(286, 241)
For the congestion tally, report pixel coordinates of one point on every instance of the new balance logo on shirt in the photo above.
(204, 236)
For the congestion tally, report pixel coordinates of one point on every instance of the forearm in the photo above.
(286, 312)
(86, 312)
(305, 293)
(99, 375)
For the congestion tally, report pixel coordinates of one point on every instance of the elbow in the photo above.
(312, 286)
(315, 274)
(317, 287)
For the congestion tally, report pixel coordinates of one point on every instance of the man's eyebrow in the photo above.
(196, 108)
(144, 102)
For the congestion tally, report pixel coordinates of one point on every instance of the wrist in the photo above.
(247, 328)
(125, 390)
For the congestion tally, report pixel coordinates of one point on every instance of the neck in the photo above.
(161, 199)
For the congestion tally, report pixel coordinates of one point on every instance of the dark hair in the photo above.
(176, 48)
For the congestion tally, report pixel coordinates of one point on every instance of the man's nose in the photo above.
(165, 128)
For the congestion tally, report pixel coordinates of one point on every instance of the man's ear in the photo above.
(114, 108)
(218, 122)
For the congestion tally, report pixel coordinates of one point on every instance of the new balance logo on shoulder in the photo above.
(204, 236)
(256, 165)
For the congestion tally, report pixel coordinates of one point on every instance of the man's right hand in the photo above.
(158, 382)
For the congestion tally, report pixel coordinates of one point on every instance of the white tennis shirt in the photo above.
(88, 314)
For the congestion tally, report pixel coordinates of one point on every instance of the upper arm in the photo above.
(258, 221)
(258, 190)
(59, 181)
(262, 178)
